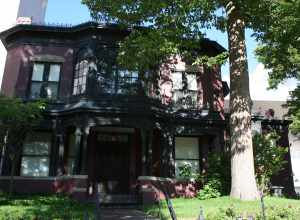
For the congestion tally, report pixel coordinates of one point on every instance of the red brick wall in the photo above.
(18, 68)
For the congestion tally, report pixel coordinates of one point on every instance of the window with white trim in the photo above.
(187, 152)
(45, 80)
(36, 154)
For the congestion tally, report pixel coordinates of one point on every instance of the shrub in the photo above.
(269, 158)
(210, 190)
(185, 171)
(272, 213)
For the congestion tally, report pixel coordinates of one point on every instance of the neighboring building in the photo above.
(105, 123)
(19, 11)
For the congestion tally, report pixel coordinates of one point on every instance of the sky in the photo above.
(73, 12)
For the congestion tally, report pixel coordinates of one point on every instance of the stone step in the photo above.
(118, 199)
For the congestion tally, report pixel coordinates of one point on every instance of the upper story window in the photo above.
(83, 59)
(96, 71)
(80, 77)
(185, 89)
(45, 80)
(120, 81)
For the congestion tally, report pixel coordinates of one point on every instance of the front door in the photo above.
(112, 163)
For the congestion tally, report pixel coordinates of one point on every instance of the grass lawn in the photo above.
(225, 208)
(38, 207)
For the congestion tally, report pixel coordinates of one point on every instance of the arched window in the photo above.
(81, 70)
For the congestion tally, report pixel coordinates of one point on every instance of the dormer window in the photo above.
(45, 80)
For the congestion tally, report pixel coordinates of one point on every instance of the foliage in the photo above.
(280, 42)
(269, 158)
(279, 51)
(42, 207)
(210, 190)
(219, 171)
(216, 179)
(185, 171)
(225, 208)
(17, 119)
(294, 110)
(173, 27)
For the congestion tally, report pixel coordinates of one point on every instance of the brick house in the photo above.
(104, 123)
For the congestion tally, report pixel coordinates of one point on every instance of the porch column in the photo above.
(144, 151)
(85, 136)
(168, 154)
(61, 150)
(216, 143)
(76, 168)
(57, 162)
(204, 150)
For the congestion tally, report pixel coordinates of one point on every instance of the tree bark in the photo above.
(243, 184)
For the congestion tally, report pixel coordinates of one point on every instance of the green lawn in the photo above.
(42, 208)
(61, 208)
(225, 208)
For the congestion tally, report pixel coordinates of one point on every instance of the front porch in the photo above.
(83, 152)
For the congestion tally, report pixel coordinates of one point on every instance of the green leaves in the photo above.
(172, 28)
(14, 110)
(269, 158)
(280, 43)
(17, 118)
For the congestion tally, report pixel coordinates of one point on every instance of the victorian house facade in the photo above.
(104, 123)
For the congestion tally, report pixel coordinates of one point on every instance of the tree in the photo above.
(269, 158)
(170, 25)
(17, 119)
(279, 51)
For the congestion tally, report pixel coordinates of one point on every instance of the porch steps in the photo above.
(110, 200)
(118, 198)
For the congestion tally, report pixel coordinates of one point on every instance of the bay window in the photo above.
(35, 156)
(187, 153)
(80, 77)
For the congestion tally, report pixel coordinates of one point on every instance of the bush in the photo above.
(269, 158)
(185, 171)
(216, 181)
(272, 213)
(210, 190)
(219, 171)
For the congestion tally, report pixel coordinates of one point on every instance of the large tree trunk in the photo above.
(243, 184)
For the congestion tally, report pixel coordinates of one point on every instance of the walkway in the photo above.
(124, 214)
